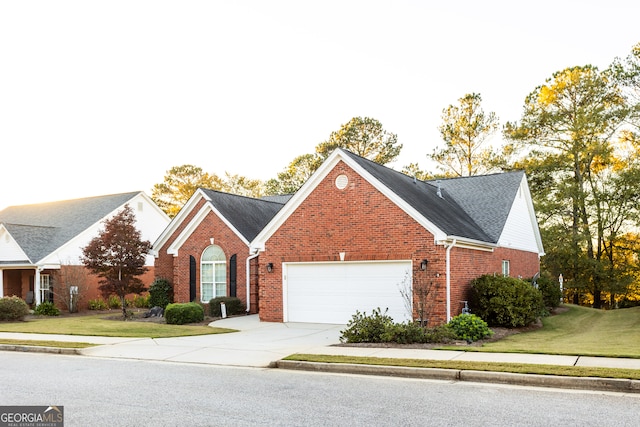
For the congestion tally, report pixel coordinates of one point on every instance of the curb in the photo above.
(533, 380)
(39, 349)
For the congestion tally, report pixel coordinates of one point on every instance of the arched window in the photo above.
(213, 274)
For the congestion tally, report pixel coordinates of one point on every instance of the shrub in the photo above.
(380, 328)
(232, 304)
(364, 328)
(114, 302)
(403, 333)
(180, 314)
(469, 327)
(97, 304)
(13, 308)
(160, 293)
(439, 334)
(47, 309)
(139, 301)
(550, 291)
(506, 301)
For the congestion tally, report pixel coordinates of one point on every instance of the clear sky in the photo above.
(103, 97)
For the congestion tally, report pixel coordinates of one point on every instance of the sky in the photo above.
(104, 97)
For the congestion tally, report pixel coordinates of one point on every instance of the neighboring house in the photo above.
(38, 240)
(351, 239)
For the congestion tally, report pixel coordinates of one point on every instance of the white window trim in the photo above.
(45, 287)
(213, 283)
(506, 267)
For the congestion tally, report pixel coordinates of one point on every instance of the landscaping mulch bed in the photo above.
(498, 334)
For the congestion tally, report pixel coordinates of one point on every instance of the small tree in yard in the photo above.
(117, 255)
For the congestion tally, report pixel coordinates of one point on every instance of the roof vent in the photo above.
(439, 192)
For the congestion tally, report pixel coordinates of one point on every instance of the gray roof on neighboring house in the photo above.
(249, 216)
(472, 207)
(41, 229)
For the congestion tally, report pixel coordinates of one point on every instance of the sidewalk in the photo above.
(264, 344)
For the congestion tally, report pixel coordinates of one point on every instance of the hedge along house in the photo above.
(358, 235)
(204, 252)
(38, 240)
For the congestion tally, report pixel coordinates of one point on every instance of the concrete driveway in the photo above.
(256, 345)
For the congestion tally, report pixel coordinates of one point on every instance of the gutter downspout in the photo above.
(448, 268)
(248, 279)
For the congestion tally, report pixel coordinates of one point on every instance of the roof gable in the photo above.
(441, 209)
(471, 209)
(41, 229)
(245, 216)
(10, 251)
(487, 199)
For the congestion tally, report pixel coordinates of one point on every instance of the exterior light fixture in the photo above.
(423, 264)
(270, 267)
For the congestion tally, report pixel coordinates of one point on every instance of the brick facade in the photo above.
(357, 220)
(177, 268)
(366, 225)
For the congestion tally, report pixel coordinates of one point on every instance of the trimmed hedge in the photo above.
(13, 308)
(506, 301)
(232, 304)
(180, 314)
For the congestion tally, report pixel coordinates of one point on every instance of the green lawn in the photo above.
(45, 343)
(579, 331)
(519, 368)
(98, 325)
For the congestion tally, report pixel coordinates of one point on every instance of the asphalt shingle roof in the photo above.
(40, 229)
(249, 216)
(471, 207)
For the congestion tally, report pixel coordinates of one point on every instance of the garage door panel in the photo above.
(333, 292)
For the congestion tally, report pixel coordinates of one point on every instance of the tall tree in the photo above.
(464, 130)
(240, 185)
(365, 137)
(627, 73)
(568, 129)
(178, 186)
(117, 255)
(413, 170)
(294, 176)
(181, 182)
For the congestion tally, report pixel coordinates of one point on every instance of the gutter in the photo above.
(248, 278)
(448, 272)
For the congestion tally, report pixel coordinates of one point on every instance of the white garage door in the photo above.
(331, 292)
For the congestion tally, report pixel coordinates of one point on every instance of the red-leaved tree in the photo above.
(117, 255)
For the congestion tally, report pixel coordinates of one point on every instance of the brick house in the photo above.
(358, 236)
(38, 241)
(204, 252)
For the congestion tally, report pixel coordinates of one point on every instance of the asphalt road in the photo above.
(109, 392)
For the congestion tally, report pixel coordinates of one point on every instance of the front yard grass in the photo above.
(98, 325)
(45, 343)
(579, 331)
(518, 368)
